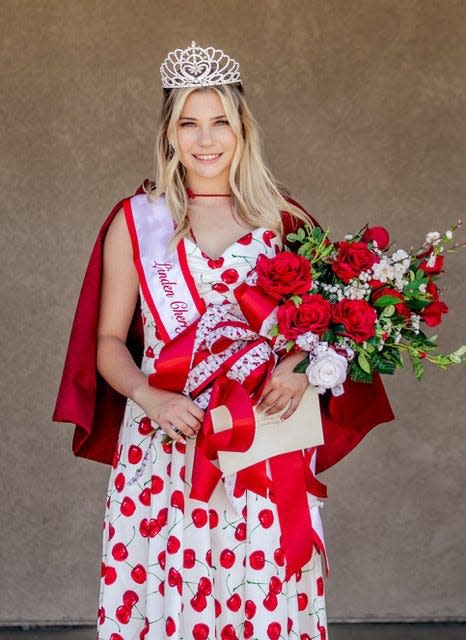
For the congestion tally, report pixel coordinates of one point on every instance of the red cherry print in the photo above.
(216, 263)
(123, 614)
(302, 601)
(204, 255)
(198, 602)
(130, 598)
(144, 497)
(257, 559)
(162, 588)
(101, 615)
(279, 556)
(213, 518)
(229, 276)
(174, 578)
(247, 239)
(322, 631)
(250, 609)
(234, 602)
(320, 586)
(244, 512)
(189, 558)
(248, 629)
(227, 558)
(199, 517)
(170, 626)
(219, 287)
(110, 575)
(116, 636)
(149, 352)
(266, 518)
(180, 447)
(270, 601)
(154, 527)
(228, 633)
(299, 573)
(183, 472)
(208, 557)
(304, 636)
(145, 426)
(145, 630)
(162, 516)
(139, 574)
(218, 608)
(127, 507)
(134, 454)
(108, 502)
(177, 500)
(277, 249)
(275, 585)
(111, 531)
(240, 531)
(200, 631)
(144, 528)
(116, 457)
(289, 625)
(205, 586)
(102, 569)
(274, 630)
(167, 447)
(169, 469)
(119, 482)
(173, 544)
(119, 551)
(161, 559)
(156, 484)
(267, 237)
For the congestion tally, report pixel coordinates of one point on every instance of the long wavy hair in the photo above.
(257, 197)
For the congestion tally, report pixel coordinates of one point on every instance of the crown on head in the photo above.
(195, 66)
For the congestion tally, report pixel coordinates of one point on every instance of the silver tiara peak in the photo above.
(198, 67)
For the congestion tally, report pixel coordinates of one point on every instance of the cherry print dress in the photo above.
(182, 569)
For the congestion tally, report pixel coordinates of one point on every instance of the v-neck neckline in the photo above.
(193, 241)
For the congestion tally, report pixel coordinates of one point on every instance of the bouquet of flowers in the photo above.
(356, 306)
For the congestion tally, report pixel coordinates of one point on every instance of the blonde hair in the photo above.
(256, 196)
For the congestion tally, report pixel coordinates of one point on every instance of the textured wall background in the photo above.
(362, 106)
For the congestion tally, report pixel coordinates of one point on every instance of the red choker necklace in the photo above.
(191, 194)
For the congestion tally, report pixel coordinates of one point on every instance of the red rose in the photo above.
(352, 258)
(436, 267)
(401, 308)
(285, 274)
(432, 314)
(379, 234)
(357, 317)
(313, 314)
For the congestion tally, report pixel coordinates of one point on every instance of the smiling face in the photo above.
(206, 142)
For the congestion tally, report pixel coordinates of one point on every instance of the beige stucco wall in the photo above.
(362, 104)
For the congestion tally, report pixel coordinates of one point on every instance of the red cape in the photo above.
(88, 401)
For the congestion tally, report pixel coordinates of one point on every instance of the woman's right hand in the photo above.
(170, 410)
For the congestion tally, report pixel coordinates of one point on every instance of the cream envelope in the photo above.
(301, 430)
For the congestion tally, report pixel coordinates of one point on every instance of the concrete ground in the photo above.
(337, 631)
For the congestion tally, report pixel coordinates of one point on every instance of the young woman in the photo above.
(186, 553)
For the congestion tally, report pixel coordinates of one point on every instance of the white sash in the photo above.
(165, 279)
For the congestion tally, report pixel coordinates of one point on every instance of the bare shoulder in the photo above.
(117, 240)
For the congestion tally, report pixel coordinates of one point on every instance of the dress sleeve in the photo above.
(346, 419)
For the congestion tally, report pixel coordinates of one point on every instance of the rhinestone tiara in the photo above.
(198, 67)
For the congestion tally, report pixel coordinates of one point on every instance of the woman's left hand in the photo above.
(284, 386)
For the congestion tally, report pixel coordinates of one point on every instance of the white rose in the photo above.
(328, 371)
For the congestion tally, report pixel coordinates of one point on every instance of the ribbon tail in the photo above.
(293, 509)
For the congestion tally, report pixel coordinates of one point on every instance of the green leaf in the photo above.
(274, 331)
(364, 362)
(328, 336)
(417, 366)
(385, 301)
(388, 311)
(302, 366)
(289, 345)
(382, 364)
(296, 299)
(358, 375)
